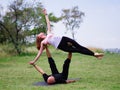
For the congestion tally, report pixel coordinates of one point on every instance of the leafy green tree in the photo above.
(22, 19)
(72, 19)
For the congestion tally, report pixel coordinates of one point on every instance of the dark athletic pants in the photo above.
(54, 69)
(74, 47)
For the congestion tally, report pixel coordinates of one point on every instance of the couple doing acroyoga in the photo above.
(59, 42)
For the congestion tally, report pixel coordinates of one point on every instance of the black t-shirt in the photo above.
(58, 78)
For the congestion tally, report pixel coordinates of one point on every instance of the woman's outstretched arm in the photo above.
(47, 21)
(38, 55)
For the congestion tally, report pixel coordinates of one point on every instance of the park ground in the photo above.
(94, 74)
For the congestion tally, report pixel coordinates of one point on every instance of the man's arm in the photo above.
(47, 52)
(47, 21)
(70, 81)
(39, 69)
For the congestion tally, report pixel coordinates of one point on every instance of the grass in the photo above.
(17, 74)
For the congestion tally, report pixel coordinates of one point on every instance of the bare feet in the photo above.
(99, 55)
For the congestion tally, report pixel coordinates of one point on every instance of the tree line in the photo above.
(24, 19)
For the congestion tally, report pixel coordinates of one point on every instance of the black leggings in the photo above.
(70, 45)
(54, 69)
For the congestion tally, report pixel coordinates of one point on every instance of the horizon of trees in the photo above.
(24, 19)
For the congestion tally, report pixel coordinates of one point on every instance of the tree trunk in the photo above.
(73, 36)
(12, 39)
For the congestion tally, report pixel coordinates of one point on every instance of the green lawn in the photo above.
(17, 74)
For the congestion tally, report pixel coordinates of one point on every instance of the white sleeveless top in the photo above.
(54, 40)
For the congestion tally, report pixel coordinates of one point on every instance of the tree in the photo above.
(16, 20)
(21, 20)
(72, 19)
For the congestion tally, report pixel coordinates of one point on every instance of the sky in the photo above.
(100, 27)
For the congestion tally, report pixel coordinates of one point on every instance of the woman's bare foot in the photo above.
(99, 55)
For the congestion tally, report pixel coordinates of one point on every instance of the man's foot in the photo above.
(99, 55)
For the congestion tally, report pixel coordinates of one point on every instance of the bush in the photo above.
(7, 49)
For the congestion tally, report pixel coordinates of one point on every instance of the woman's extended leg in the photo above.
(71, 45)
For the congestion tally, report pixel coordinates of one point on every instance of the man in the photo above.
(56, 77)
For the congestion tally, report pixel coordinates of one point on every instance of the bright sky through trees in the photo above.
(101, 24)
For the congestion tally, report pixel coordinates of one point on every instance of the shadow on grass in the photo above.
(42, 83)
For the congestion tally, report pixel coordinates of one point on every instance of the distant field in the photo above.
(17, 74)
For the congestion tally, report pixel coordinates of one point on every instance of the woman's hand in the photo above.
(44, 11)
(47, 21)
(31, 62)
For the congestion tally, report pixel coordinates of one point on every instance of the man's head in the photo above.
(51, 80)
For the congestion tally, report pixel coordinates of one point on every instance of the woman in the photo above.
(56, 77)
(60, 42)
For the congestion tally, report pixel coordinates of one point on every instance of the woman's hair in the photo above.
(38, 42)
